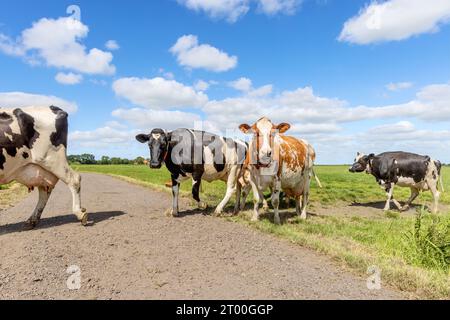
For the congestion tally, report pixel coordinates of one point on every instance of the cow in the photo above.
(33, 144)
(197, 155)
(279, 162)
(404, 169)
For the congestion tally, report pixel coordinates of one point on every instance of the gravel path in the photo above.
(132, 251)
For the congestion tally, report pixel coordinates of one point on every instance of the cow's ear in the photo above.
(245, 128)
(372, 155)
(283, 127)
(142, 138)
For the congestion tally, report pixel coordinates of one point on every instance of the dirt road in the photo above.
(132, 251)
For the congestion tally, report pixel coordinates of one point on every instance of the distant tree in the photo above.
(74, 159)
(87, 158)
(139, 160)
(115, 160)
(105, 160)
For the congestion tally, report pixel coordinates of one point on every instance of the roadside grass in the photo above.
(412, 251)
(10, 194)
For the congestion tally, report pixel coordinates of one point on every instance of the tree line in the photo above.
(87, 158)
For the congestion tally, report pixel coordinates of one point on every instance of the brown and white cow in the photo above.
(33, 143)
(280, 163)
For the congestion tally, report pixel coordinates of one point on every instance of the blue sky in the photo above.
(348, 75)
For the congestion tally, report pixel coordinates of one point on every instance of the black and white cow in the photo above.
(404, 169)
(200, 156)
(33, 143)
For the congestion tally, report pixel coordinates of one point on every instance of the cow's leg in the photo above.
(389, 191)
(237, 204)
(414, 194)
(257, 200)
(436, 194)
(298, 205)
(196, 183)
(390, 197)
(305, 199)
(173, 212)
(245, 192)
(276, 201)
(266, 201)
(44, 194)
(73, 180)
(231, 189)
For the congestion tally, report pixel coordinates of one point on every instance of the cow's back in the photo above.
(217, 155)
(390, 166)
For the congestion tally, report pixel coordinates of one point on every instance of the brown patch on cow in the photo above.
(293, 152)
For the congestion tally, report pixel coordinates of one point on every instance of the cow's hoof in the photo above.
(30, 224)
(171, 213)
(83, 216)
(404, 208)
(217, 213)
(266, 208)
(303, 216)
(202, 205)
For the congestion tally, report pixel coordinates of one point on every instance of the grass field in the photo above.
(413, 251)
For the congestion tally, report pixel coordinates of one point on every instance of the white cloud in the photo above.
(193, 55)
(98, 82)
(261, 91)
(158, 93)
(232, 10)
(68, 78)
(242, 84)
(245, 85)
(10, 47)
(166, 74)
(201, 85)
(56, 42)
(116, 125)
(314, 128)
(103, 134)
(398, 86)
(145, 119)
(432, 103)
(271, 7)
(112, 45)
(22, 99)
(395, 20)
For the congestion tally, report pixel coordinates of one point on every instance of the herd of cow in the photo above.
(33, 144)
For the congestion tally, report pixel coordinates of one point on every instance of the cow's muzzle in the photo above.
(156, 165)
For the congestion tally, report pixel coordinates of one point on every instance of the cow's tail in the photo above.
(317, 178)
(438, 165)
(441, 182)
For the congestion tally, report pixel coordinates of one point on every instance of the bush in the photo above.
(428, 245)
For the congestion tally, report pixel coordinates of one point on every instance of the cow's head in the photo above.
(362, 163)
(158, 143)
(264, 132)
